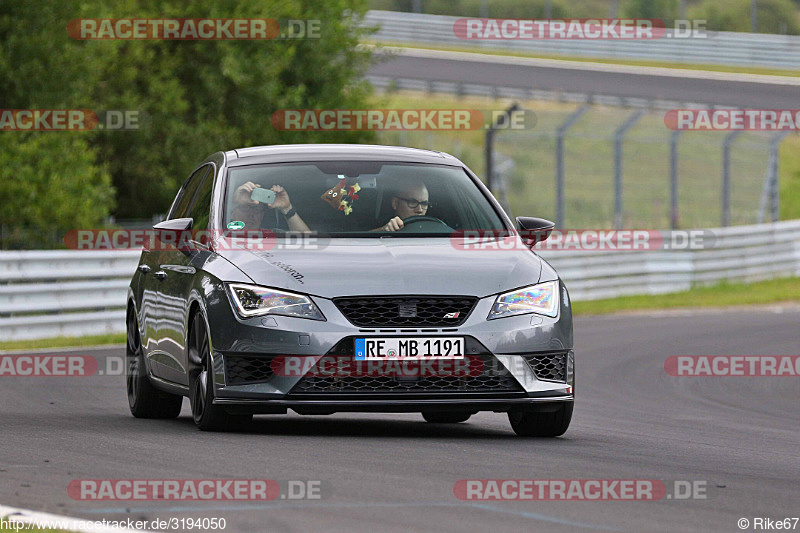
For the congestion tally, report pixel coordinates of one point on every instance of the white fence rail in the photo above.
(720, 48)
(63, 293)
(73, 293)
(740, 253)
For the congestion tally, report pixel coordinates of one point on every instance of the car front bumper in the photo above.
(509, 342)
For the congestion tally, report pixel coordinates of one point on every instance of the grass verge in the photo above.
(62, 342)
(789, 160)
(721, 295)
(589, 159)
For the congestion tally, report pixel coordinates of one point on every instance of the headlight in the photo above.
(541, 299)
(252, 300)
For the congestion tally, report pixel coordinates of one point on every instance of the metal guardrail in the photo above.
(720, 48)
(63, 293)
(75, 293)
(739, 254)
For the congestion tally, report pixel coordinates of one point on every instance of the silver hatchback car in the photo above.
(332, 278)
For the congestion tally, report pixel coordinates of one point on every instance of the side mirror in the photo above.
(533, 230)
(176, 224)
(170, 233)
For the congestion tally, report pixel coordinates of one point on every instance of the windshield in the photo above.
(364, 198)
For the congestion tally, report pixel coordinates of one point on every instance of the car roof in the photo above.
(287, 153)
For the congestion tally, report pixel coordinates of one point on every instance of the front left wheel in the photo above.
(144, 400)
(206, 415)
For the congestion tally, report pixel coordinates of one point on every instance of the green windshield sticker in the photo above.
(236, 224)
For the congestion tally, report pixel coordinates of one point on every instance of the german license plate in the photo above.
(409, 348)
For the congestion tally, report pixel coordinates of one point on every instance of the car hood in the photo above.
(389, 265)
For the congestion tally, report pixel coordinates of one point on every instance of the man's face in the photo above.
(414, 194)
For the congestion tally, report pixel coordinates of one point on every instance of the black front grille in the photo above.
(549, 367)
(241, 370)
(400, 311)
(486, 375)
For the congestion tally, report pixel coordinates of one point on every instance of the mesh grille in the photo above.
(430, 311)
(492, 377)
(549, 367)
(240, 370)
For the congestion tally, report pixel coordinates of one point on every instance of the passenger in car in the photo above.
(252, 212)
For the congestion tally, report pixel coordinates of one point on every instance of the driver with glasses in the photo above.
(409, 199)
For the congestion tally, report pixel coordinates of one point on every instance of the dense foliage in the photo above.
(193, 97)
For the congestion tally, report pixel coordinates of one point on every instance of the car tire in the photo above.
(445, 417)
(542, 423)
(206, 415)
(144, 400)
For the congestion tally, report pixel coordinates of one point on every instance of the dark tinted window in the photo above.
(187, 194)
(202, 203)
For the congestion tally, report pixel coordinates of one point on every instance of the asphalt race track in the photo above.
(573, 77)
(739, 435)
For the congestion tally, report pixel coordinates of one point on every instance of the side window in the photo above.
(186, 195)
(202, 203)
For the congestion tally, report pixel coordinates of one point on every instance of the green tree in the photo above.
(50, 182)
(666, 10)
(45, 196)
(201, 97)
(197, 97)
(774, 16)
